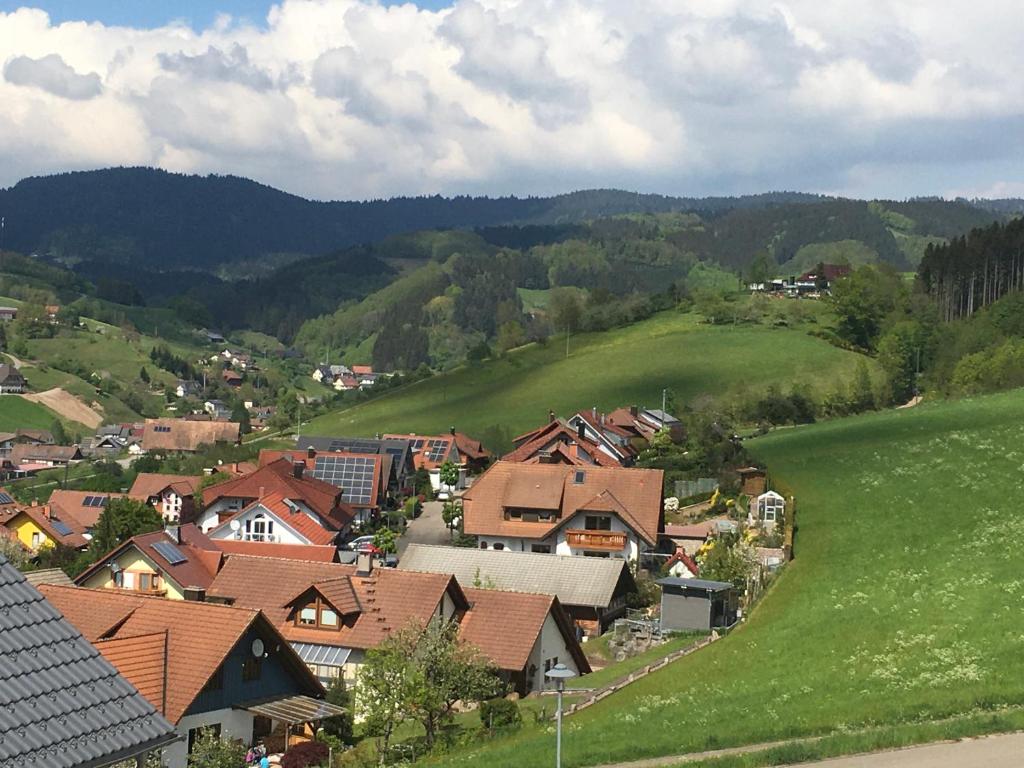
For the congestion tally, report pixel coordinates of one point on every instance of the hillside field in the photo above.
(902, 606)
(623, 366)
(18, 413)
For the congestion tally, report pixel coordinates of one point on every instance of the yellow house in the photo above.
(172, 564)
(39, 527)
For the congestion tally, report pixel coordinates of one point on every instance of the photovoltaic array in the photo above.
(353, 474)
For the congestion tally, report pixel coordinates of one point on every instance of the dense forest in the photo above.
(158, 220)
(971, 272)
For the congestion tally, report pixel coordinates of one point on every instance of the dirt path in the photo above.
(67, 405)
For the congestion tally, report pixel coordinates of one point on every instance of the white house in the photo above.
(274, 519)
(566, 510)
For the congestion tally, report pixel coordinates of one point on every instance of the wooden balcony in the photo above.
(596, 540)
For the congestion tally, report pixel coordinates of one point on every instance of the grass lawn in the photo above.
(17, 413)
(903, 605)
(597, 652)
(619, 367)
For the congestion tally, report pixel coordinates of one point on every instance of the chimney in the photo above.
(634, 410)
(551, 416)
(580, 429)
(297, 469)
(262, 490)
(311, 452)
(452, 430)
(364, 564)
(46, 511)
(593, 412)
(174, 531)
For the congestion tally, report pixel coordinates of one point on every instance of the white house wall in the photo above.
(234, 724)
(578, 523)
(550, 645)
(282, 533)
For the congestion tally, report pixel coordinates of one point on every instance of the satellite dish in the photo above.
(235, 525)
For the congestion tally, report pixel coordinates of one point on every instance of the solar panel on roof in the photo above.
(436, 450)
(169, 552)
(95, 501)
(417, 443)
(353, 474)
(5, 498)
(60, 527)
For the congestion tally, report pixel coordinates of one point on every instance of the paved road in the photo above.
(428, 528)
(989, 752)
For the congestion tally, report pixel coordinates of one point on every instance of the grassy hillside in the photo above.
(618, 367)
(16, 413)
(903, 604)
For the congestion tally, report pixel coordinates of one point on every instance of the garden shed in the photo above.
(696, 604)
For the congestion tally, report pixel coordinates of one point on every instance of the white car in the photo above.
(360, 543)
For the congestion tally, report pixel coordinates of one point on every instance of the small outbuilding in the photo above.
(696, 604)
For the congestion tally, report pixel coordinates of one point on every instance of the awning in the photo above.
(314, 653)
(294, 709)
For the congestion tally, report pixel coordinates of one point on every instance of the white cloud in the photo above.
(350, 98)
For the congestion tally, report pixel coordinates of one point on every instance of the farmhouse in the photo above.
(592, 591)
(171, 495)
(11, 380)
(332, 614)
(566, 510)
(32, 456)
(201, 665)
(50, 670)
(187, 436)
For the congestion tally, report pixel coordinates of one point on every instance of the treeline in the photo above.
(971, 272)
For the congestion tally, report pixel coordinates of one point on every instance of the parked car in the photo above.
(360, 544)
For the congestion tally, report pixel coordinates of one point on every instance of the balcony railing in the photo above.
(599, 540)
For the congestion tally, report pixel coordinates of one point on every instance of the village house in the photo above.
(50, 673)
(566, 510)
(332, 614)
(587, 438)
(8, 313)
(170, 495)
(690, 537)
(180, 562)
(397, 455)
(23, 437)
(231, 378)
(11, 380)
(32, 457)
(85, 507)
(186, 435)
(9, 507)
(276, 503)
(203, 666)
(430, 452)
(647, 422)
(188, 388)
(593, 591)
(39, 527)
(218, 409)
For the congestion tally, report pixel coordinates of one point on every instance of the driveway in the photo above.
(428, 528)
(988, 752)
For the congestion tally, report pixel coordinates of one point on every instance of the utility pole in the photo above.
(664, 395)
(567, 341)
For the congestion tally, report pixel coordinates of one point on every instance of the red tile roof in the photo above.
(388, 599)
(310, 552)
(278, 476)
(149, 484)
(187, 434)
(505, 626)
(680, 556)
(45, 516)
(71, 503)
(633, 494)
(140, 660)
(202, 557)
(322, 531)
(433, 445)
(556, 437)
(381, 466)
(199, 636)
(471, 449)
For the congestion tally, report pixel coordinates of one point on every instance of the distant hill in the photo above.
(154, 219)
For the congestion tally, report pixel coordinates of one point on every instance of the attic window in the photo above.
(579, 477)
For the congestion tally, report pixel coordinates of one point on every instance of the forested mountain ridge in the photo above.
(154, 219)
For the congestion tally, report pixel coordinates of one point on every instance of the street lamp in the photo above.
(559, 673)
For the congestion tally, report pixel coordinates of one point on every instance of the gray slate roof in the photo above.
(48, 576)
(62, 705)
(585, 581)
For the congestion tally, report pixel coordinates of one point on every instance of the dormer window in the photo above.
(319, 614)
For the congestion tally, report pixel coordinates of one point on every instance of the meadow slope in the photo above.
(904, 602)
(618, 367)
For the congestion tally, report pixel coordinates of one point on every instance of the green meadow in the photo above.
(18, 413)
(624, 366)
(902, 607)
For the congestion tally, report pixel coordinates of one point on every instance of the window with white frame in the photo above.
(259, 528)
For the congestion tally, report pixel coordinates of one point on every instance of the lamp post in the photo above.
(559, 673)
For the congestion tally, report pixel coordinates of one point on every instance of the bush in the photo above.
(498, 713)
(311, 753)
(413, 507)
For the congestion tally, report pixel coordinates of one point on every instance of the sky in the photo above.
(357, 99)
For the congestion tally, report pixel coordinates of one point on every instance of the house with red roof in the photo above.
(170, 495)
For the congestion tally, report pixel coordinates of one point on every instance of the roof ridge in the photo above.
(143, 596)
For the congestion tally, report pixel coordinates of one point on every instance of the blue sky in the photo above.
(153, 13)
